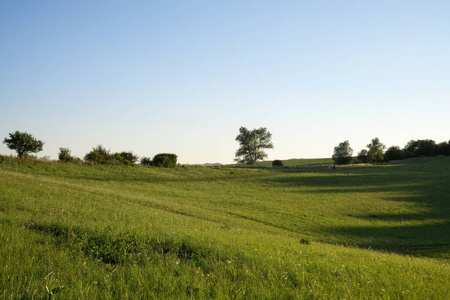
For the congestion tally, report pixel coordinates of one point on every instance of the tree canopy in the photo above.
(343, 153)
(165, 160)
(23, 143)
(252, 144)
(376, 151)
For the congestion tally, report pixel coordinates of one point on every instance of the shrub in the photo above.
(408, 154)
(277, 163)
(362, 156)
(165, 160)
(411, 146)
(64, 155)
(127, 158)
(146, 161)
(394, 153)
(99, 155)
(427, 148)
(305, 241)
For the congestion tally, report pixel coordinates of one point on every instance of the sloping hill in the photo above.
(99, 232)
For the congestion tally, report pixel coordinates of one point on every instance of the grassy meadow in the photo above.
(71, 231)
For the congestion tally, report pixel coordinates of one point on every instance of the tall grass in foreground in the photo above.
(100, 232)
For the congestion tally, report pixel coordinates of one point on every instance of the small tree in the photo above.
(343, 153)
(412, 146)
(165, 160)
(376, 151)
(146, 161)
(128, 158)
(23, 143)
(64, 155)
(394, 153)
(277, 163)
(252, 145)
(443, 148)
(362, 156)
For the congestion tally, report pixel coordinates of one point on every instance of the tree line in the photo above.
(24, 144)
(252, 144)
(375, 152)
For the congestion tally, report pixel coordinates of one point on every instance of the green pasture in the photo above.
(308, 162)
(73, 231)
(294, 162)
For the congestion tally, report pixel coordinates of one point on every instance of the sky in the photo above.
(183, 76)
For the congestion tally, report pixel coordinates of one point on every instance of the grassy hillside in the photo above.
(104, 232)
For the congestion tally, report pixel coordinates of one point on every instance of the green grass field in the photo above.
(308, 162)
(116, 232)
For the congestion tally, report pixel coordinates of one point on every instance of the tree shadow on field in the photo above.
(425, 233)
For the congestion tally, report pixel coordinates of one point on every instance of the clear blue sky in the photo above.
(183, 76)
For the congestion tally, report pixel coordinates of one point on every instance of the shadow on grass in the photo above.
(425, 233)
(429, 240)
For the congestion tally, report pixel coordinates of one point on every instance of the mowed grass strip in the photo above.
(128, 232)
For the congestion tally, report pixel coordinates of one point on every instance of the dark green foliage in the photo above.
(394, 153)
(129, 157)
(125, 158)
(422, 147)
(443, 148)
(277, 163)
(99, 155)
(362, 156)
(427, 148)
(305, 241)
(411, 146)
(408, 154)
(343, 153)
(65, 156)
(165, 160)
(146, 161)
(376, 151)
(23, 143)
(252, 145)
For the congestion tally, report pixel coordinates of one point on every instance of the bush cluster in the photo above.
(277, 163)
(100, 155)
(64, 155)
(162, 160)
(165, 160)
(375, 151)
(146, 161)
(418, 148)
